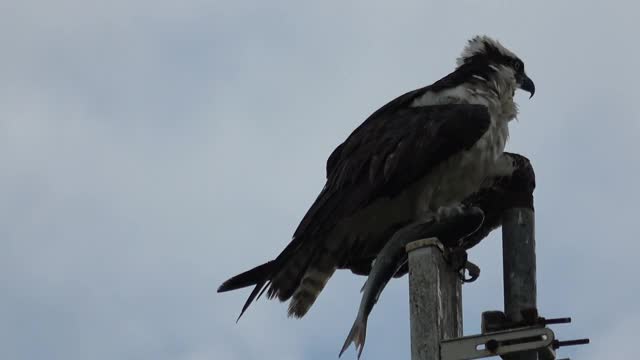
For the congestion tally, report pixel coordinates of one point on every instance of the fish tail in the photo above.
(357, 335)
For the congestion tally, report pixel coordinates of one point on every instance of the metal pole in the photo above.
(519, 267)
(434, 297)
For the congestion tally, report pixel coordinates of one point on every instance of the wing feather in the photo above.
(389, 152)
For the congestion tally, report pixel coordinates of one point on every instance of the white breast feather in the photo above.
(464, 172)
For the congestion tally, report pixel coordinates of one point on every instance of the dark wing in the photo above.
(386, 154)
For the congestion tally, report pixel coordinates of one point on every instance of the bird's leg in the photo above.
(472, 269)
(458, 259)
(456, 254)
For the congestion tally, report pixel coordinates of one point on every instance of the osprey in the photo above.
(418, 156)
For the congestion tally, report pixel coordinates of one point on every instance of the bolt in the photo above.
(557, 343)
(492, 345)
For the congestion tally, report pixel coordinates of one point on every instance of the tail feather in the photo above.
(258, 276)
(300, 276)
(313, 281)
(290, 274)
(248, 278)
(257, 291)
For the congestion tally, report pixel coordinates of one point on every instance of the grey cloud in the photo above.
(150, 150)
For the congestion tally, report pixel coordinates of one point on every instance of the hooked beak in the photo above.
(527, 84)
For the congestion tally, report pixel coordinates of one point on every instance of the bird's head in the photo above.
(483, 52)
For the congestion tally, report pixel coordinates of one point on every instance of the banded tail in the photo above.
(299, 277)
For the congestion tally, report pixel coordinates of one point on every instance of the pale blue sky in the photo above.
(151, 149)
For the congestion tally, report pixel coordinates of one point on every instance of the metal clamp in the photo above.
(497, 343)
(501, 337)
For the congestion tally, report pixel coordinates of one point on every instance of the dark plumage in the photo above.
(363, 168)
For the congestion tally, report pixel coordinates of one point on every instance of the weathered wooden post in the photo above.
(519, 268)
(435, 294)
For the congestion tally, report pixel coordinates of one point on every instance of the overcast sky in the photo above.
(151, 149)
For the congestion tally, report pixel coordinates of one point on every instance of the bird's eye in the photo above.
(517, 65)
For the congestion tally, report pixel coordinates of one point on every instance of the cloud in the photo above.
(152, 149)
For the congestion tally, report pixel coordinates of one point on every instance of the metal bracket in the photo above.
(498, 343)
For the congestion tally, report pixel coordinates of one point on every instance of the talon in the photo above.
(457, 258)
(472, 269)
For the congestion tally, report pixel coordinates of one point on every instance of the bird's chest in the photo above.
(462, 174)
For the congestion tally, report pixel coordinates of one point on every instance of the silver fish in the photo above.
(449, 230)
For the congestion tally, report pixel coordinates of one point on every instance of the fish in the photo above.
(393, 256)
